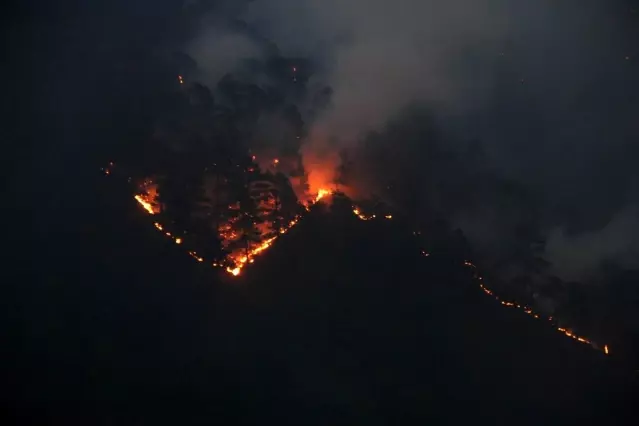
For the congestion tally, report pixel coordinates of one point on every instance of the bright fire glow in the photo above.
(145, 204)
(358, 212)
(606, 349)
(321, 193)
(238, 259)
(235, 271)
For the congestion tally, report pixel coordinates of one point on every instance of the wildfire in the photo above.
(357, 212)
(236, 261)
(145, 204)
(530, 312)
(240, 258)
(321, 193)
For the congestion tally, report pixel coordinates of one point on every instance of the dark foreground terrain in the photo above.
(340, 323)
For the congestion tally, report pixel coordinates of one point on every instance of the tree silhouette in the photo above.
(249, 234)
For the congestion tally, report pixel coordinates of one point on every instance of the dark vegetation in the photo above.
(338, 323)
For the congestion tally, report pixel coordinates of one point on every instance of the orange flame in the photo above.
(357, 212)
(241, 261)
(145, 204)
(530, 312)
(321, 193)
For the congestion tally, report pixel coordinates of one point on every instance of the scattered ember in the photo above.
(235, 262)
(530, 312)
(357, 212)
(238, 261)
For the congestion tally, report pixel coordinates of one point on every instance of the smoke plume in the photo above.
(543, 91)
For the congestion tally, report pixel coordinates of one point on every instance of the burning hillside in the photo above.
(242, 233)
(358, 212)
(246, 233)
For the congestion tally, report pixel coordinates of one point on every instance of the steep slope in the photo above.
(379, 334)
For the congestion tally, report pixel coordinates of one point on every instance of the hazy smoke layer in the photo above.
(546, 89)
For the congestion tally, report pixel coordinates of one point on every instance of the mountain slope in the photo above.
(340, 322)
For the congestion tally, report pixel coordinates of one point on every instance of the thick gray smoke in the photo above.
(380, 55)
(548, 88)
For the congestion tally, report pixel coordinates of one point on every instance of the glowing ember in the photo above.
(235, 271)
(357, 212)
(145, 204)
(530, 312)
(236, 261)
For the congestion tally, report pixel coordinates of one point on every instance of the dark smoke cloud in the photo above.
(548, 89)
(545, 91)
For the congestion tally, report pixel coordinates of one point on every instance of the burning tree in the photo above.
(249, 234)
(225, 161)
